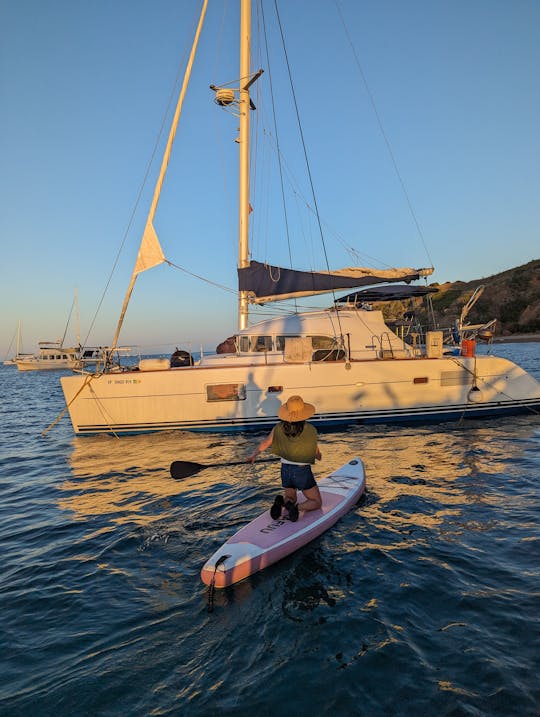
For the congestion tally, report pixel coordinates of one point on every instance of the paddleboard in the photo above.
(264, 541)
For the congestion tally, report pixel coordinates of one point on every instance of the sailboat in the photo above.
(344, 359)
(18, 355)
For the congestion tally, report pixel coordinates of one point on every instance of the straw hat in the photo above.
(296, 410)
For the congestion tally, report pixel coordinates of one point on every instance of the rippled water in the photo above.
(422, 600)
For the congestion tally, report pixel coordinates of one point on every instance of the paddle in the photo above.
(184, 469)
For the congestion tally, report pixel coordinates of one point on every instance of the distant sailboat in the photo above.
(345, 359)
(18, 354)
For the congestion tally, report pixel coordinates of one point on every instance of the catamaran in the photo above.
(344, 359)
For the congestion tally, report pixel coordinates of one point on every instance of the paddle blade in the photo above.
(184, 469)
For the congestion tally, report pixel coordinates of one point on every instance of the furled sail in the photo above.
(267, 283)
(150, 251)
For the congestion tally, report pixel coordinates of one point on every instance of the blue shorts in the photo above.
(299, 477)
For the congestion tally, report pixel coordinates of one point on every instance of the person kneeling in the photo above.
(296, 442)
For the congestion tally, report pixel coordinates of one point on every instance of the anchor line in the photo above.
(211, 587)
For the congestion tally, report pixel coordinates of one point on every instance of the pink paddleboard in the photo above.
(265, 541)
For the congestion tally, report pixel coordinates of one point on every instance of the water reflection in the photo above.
(128, 479)
(417, 478)
(421, 479)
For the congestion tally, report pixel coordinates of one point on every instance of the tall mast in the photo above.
(243, 194)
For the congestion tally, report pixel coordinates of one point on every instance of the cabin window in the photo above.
(323, 342)
(328, 355)
(280, 341)
(318, 342)
(226, 392)
(250, 344)
(420, 379)
(325, 348)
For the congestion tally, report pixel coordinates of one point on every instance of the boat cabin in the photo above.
(352, 334)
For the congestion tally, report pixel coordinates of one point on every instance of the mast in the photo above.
(77, 327)
(243, 189)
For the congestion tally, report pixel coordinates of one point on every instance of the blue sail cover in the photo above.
(273, 283)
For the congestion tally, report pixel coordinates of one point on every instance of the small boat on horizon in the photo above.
(19, 355)
(52, 356)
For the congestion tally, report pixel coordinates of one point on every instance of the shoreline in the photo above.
(516, 338)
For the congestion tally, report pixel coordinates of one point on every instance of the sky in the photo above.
(420, 122)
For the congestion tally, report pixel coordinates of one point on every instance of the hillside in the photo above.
(512, 297)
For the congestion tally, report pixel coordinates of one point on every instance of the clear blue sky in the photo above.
(84, 87)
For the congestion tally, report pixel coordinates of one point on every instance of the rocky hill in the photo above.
(512, 297)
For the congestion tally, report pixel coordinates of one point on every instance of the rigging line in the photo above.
(277, 141)
(298, 193)
(383, 133)
(305, 150)
(67, 324)
(62, 413)
(141, 189)
(11, 343)
(202, 278)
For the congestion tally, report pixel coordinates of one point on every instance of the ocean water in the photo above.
(423, 600)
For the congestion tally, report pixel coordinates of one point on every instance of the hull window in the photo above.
(226, 392)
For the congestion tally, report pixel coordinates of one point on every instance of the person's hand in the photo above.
(252, 457)
(318, 455)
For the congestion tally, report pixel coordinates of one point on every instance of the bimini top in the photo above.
(386, 293)
(266, 283)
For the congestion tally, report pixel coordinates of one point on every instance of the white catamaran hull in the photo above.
(248, 396)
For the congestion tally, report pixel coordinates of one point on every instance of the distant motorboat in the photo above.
(51, 356)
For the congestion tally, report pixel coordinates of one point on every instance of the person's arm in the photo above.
(263, 445)
(318, 454)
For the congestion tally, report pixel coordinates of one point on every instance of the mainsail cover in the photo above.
(266, 283)
(397, 292)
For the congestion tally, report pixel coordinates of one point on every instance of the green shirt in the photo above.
(300, 449)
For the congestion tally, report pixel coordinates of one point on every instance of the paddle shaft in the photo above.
(184, 469)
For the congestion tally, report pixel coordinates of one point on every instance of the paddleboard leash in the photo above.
(219, 561)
